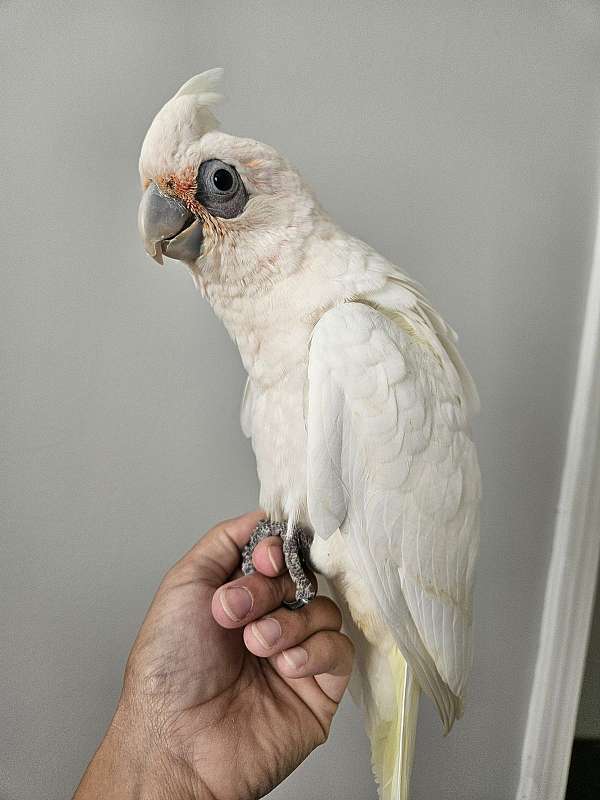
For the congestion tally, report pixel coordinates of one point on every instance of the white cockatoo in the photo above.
(357, 404)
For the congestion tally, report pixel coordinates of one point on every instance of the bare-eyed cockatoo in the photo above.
(357, 404)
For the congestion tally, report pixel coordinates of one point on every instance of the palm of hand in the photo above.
(237, 714)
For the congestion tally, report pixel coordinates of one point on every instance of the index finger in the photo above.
(267, 557)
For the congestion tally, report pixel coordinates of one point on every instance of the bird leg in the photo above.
(296, 549)
(296, 552)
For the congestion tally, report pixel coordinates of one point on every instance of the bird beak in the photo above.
(168, 228)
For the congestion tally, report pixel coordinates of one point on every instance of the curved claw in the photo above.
(299, 602)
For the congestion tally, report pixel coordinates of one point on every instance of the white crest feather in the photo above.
(183, 119)
(202, 87)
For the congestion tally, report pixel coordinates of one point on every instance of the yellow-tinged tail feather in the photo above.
(393, 739)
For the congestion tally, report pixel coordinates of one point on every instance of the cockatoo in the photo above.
(357, 403)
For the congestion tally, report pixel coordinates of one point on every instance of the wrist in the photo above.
(128, 765)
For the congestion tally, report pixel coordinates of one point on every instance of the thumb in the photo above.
(218, 553)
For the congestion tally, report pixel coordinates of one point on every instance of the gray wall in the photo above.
(120, 444)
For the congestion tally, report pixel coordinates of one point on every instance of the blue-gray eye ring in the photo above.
(220, 189)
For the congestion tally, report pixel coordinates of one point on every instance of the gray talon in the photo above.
(300, 602)
(296, 549)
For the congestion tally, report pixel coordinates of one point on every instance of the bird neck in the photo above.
(272, 329)
(271, 301)
(261, 289)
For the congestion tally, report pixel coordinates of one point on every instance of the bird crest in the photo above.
(184, 119)
(202, 87)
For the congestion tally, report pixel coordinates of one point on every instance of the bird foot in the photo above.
(296, 550)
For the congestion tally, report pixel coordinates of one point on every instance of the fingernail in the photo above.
(275, 557)
(267, 631)
(236, 602)
(296, 657)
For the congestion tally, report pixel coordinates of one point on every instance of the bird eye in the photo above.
(223, 180)
(220, 189)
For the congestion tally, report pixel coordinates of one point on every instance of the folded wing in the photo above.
(392, 464)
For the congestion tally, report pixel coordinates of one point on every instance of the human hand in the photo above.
(225, 690)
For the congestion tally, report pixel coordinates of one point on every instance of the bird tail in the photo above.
(393, 739)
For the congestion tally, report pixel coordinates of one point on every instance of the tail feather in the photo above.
(384, 686)
(393, 739)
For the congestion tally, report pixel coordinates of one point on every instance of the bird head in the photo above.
(206, 192)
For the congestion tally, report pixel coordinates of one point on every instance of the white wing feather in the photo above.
(247, 409)
(391, 463)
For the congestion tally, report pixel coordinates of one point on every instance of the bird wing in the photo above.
(247, 409)
(391, 464)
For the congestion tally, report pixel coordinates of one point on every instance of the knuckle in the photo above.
(180, 572)
(345, 643)
(131, 675)
(322, 614)
(276, 591)
(312, 616)
(338, 652)
(333, 611)
(332, 649)
(221, 526)
(171, 575)
(349, 648)
(322, 734)
(283, 588)
(305, 620)
(267, 592)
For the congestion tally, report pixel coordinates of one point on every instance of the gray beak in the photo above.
(168, 228)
